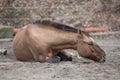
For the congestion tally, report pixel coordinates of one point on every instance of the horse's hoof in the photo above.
(67, 59)
(56, 59)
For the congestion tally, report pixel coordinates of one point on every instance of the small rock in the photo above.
(3, 52)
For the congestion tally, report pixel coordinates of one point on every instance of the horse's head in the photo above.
(88, 48)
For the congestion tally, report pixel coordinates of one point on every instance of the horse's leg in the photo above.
(37, 55)
(50, 57)
(42, 58)
(64, 56)
(55, 59)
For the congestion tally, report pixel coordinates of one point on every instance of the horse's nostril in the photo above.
(103, 59)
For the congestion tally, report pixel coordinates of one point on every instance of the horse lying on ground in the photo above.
(44, 41)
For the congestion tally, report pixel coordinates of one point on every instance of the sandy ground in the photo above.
(78, 69)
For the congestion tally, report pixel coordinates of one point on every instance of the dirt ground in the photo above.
(78, 69)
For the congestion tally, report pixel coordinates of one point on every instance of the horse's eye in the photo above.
(90, 43)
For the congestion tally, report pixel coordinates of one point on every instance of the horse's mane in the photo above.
(58, 26)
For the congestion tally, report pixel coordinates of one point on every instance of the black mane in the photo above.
(58, 25)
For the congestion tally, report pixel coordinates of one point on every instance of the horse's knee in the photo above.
(42, 58)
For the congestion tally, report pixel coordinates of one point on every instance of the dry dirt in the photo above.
(78, 69)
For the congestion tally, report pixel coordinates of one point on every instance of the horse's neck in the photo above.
(71, 38)
(68, 41)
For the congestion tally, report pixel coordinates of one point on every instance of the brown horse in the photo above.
(44, 41)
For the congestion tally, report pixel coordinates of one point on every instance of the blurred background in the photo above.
(89, 13)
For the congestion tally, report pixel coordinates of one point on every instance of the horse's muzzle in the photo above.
(102, 59)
